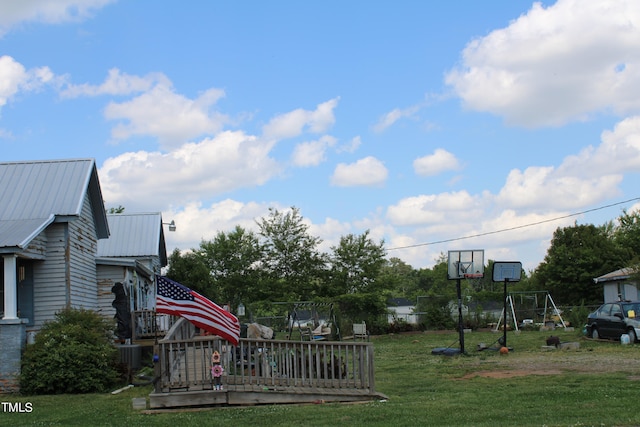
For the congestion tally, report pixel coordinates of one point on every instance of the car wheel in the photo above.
(594, 334)
(632, 336)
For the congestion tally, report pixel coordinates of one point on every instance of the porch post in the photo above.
(10, 287)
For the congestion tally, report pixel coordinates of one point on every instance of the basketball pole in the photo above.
(460, 323)
(504, 325)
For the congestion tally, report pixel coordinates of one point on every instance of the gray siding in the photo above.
(67, 277)
(108, 275)
(37, 248)
(83, 282)
(49, 289)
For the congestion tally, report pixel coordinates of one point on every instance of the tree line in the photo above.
(282, 262)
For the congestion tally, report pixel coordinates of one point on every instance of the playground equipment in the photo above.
(312, 321)
(536, 305)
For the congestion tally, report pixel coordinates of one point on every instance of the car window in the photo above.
(605, 309)
(615, 308)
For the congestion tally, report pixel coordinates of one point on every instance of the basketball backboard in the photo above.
(507, 271)
(467, 262)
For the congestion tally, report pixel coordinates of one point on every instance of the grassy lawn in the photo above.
(594, 385)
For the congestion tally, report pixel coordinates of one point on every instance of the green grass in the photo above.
(595, 385)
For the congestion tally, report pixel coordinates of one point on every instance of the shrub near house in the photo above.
(72, 354)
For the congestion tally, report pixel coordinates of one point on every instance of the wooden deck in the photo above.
(262, 372)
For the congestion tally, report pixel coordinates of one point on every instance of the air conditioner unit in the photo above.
(130, 355)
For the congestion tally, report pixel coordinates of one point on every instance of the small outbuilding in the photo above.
(401, 309)
(618, 285)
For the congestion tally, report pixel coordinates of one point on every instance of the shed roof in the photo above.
(37, 193)
(622, 274)
(133, 236)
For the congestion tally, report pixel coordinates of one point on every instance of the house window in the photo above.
(621, 293)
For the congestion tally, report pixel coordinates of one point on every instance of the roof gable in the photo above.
(36, 193)
(134, 235)
(621, 274)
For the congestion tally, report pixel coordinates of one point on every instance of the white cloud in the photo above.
(581, 180)
(15, 78)
(541, 187)
(196, 222)
(212, 167)
(440, 161)
(350, 147)
(13, 13)
(393, 116)
(312, 153)
(555, 64)
(292, 124)
(365, 172)
(435, 209)
(170, 117)
(117, 83)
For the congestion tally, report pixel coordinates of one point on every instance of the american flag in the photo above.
(178, 300)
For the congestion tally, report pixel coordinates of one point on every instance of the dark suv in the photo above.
(614, 319)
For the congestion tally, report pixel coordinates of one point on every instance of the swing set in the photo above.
(312, 321)
(535, 305)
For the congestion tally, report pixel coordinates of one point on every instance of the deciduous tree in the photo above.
(292, 266)
(576, 256)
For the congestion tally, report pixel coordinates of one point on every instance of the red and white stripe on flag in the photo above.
(176, 299)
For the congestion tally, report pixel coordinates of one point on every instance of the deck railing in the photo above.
(147, 324)
(186, 364)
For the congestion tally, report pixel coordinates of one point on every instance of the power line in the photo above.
(514, 228)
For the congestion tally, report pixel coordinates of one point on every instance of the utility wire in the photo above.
(514, 228)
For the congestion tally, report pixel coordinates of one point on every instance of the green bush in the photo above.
(72, 354)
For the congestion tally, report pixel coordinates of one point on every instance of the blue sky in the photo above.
(419, 121)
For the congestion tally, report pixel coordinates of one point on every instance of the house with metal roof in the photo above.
(618, 285)
(51, 218)
(127, 263)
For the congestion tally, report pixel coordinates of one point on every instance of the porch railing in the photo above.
(186, 364)
(147, 324)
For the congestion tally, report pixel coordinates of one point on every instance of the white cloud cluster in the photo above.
(13, 13)
(116, 83)
(368, 171)
(312, 153)
(293, 123)
(434, 164)
(207, 169)
(555, 64)
(171, 117)
(388, 119)
(15, 78)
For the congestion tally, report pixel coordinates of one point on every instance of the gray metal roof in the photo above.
(134, 235)
(36, 193)
(622, 274)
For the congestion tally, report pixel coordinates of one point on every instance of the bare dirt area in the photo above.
(587, 358)
(556, 362)
(509, 374)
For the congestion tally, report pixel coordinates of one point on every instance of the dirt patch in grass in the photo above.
(555, 363)
(509, 374)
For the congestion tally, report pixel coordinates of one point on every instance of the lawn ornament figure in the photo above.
(216, 370)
